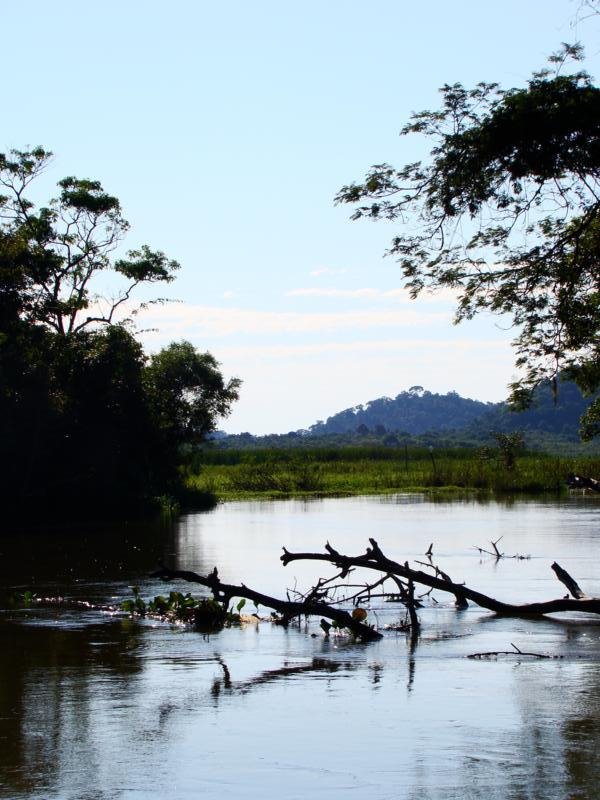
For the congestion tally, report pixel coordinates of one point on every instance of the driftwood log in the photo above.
(374, 559)
(289, 609)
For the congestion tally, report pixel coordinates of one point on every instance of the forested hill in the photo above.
(414, 412)
(418, 411)
(441, 419)
(557, 414)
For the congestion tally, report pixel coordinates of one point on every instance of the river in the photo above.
(98, 706)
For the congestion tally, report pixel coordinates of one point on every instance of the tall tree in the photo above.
(186, 394)
(66, 245)
(87, 421)
(506, 211)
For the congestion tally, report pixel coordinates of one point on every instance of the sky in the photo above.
(226, 129)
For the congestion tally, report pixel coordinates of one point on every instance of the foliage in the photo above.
(509, 445)
(88, 424)
(24, 599)
(62, 247)
(187, 392)
(205, 613)
(506, 212)
(414, 411)
(419, 418)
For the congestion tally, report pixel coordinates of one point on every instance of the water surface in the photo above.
(94, 705)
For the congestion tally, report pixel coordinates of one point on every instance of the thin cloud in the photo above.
(208, 321)
(351, 373)
(419, 349)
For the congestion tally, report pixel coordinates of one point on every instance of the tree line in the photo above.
(89, 423)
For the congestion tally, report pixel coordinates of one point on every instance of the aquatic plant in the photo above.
(204, 613)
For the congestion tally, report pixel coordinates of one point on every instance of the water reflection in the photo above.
(317, 665)
(560, 735)
(96, 706)
(47, 719)
(74, 555)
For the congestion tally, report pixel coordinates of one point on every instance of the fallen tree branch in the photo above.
(374, 559)
(289, 609)
(460, 601)
(515, 652)
(564, 577)
(497, 554)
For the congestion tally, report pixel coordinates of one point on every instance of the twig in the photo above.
(515, 652)
(497, 554)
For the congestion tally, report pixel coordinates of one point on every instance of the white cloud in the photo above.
(289, 387)
(424, 350)
(189, 321)
(300, 367)
(228, 295)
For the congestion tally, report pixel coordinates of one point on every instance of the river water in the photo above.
(98, 706)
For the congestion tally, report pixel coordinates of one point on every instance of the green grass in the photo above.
(240, 474)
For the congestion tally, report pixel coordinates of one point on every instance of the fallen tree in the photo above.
(374, 559)
(310, 605)
(326, 597)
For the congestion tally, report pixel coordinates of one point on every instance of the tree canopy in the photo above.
(57, 251)
(506, 211)
(88, 422)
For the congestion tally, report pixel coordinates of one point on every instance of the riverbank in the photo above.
(243, 474)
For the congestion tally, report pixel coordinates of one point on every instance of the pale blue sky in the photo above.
(226, 130)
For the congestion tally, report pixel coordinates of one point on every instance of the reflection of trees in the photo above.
(560, 733)
(46, 700)
(187, 543)
(96, 552)
(581, 734)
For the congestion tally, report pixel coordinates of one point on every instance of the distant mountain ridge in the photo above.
(424, 418)
(418, 411)
(413, 412)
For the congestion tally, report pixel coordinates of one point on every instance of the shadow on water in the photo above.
(47, 696)
(102, 552)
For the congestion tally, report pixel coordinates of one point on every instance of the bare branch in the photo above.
(288, 609)
(374, 559)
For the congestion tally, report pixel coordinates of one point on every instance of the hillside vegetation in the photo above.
(417, 417)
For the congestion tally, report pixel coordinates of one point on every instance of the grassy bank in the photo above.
(232, 474)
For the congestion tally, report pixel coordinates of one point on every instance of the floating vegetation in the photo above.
(204, 613)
